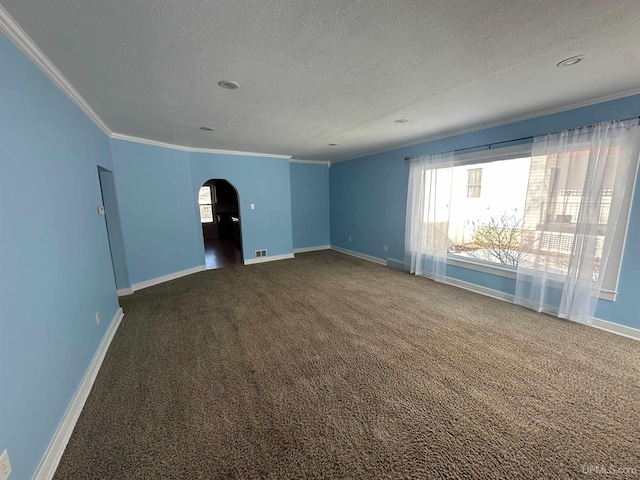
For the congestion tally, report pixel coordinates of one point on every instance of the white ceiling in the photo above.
(314, 72)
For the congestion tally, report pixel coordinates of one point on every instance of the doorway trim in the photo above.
(200, 224)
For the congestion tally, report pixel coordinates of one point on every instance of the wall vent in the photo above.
(261, 253)
(397, 264)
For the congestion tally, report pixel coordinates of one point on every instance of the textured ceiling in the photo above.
(331, 71)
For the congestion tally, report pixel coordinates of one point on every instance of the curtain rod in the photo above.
(490, 145)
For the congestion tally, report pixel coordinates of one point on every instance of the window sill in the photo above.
(508, 272)
(481, 266)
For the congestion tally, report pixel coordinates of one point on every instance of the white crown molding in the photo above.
(312, 162)
(497, 123)
(56, 448)
(24, 42)
(19, 37)
(156, 143)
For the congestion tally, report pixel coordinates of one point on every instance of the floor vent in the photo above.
(261, 253)
(397, 264)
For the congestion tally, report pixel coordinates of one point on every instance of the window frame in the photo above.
(476, 185)
(609, 289)
(211, 204)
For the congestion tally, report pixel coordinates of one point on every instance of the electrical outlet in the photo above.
(5, 466)
(385, 248)
(349, 237)
(97, 318)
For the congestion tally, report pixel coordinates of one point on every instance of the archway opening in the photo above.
(220, 218)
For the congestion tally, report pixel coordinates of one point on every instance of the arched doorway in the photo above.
(220, 218)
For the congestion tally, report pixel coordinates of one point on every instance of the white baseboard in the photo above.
(271, 258)
(472, 287)
(616, 328)
(52, 457)
(370, 258)
(165, 278)
(311, 249)
(123, 292)
(610, 327)
(398, 265)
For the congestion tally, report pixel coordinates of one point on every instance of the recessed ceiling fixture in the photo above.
(401, 120)
(206, 129)
(333, 144)
(228, 85)
(567, 62)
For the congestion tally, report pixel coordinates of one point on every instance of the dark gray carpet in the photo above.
(327, 366)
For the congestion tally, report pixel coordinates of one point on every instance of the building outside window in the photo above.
(487, 222)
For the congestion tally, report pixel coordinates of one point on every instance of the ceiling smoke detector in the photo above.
(206, 129)
(568, 62)
(401, 120)
(228, 85)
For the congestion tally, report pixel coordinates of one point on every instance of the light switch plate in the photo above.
(100, 209)
(253, 206)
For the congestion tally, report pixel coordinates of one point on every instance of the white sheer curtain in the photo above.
(580, 187)
(427, 222)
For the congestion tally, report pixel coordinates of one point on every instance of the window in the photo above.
(488, 227)
(206, 204)
(474, 182)
(527, 210)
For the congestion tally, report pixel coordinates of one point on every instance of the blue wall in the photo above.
(263, 181)
(310, 204)
(368, 200)
(158, 219)
(55, 267)
(157, 191)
